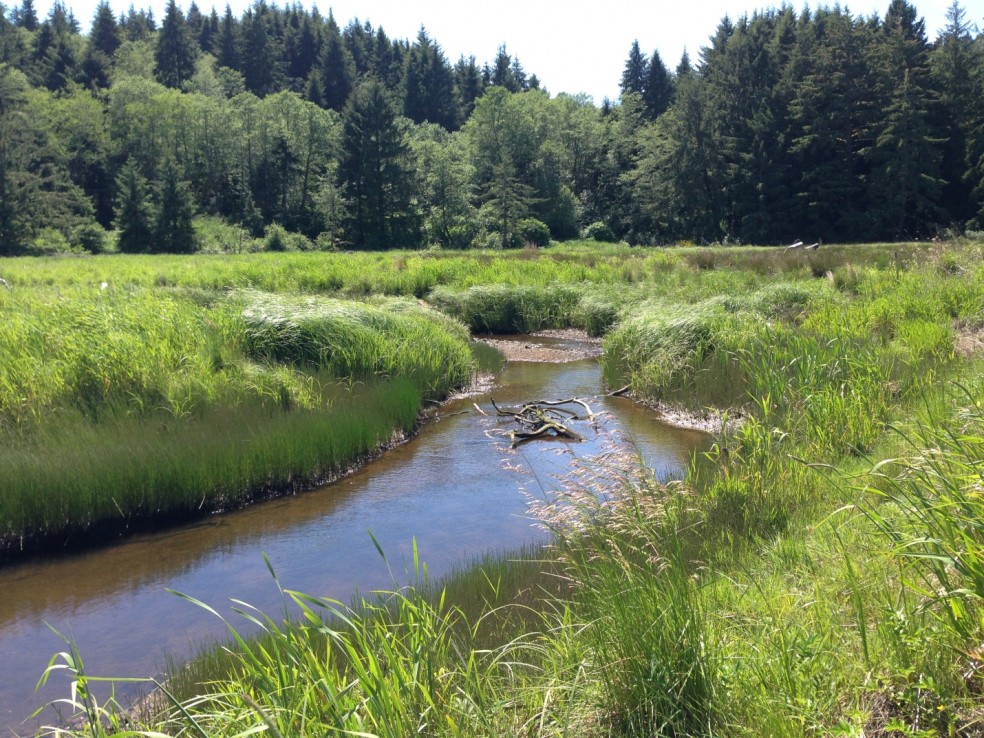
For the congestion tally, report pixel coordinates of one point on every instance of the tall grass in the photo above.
(785, 588)
(120, 407)
(92, 482)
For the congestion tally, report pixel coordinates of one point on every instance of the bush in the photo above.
(90, 237)
(50, 241)
(216, 236)
(599, 231)
(275, 238)
(534, 231)
(493, 240)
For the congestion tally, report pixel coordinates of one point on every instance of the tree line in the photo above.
(817, 124)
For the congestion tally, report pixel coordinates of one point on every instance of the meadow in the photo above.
(821, 573)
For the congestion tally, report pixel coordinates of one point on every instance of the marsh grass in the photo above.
(123, 408)
(91, 482)
(792, 585)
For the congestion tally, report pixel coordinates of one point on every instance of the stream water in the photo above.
(455, 488)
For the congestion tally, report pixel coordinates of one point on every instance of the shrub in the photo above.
(275, 238)
(599, 231)
(534, 231)
(90, 237)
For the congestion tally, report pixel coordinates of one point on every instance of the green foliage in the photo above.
(534, 231)
(599, 231)
(375, 172)
(510, 309)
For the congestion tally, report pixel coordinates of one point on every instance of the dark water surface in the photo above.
(454, 488)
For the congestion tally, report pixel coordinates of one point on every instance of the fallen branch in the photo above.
(543, 418)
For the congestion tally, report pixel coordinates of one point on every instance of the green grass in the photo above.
(126, 408)
(820, 573)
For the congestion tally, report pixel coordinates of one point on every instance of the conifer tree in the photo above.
(228, 44)
(658, 90)
(429, 85)
(260, 60)
(905, 179)
(134, 216)
(172, 228)
(375, 172)
(175, 54)
(26, 17)
(960, 112)
(337, 69)
(635, 72)
(105, 33)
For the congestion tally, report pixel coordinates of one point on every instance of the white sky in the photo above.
(573, 46)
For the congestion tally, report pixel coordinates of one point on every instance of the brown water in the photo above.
(454, 488)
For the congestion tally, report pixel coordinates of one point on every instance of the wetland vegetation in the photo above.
(820, 574)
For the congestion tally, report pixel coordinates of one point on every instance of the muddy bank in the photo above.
(550, 346)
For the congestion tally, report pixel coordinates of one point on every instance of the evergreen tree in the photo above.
(337, 69)
(658, 90)
(905, 178)
(260, 56)
(507, 202)
(26, 17)
(104, 36)
(635, 72)
(228, 44)
(104, 40)
(175, 54)
(208, 36)
(172, 230)
(831, 132)
(194, 20)
(375, 172)
(503, 73)
(960, 112)
(134, 213)
(684, 68)
(429, 85)
(137, 25)
(468, 86)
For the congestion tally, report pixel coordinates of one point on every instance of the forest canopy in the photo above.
(281, 129)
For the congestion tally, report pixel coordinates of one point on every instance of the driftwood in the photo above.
(544, 418)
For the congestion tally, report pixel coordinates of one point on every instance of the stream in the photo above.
(456, 488)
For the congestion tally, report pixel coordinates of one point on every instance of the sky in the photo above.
(577, 46)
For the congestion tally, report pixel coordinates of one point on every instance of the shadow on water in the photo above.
(455, 488)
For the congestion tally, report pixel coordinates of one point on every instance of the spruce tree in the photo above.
(634, 74)
(105, 33)
(26, 17)
(172, 229)
(175, 54)
(468, 86)
(658, 90)
(375, 172)
(905, 161)
(429, 85)
(960, 112)
(134, 213)
(260, 63)
(337, 69)
(228, 44)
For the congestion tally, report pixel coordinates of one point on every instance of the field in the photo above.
(822, 575)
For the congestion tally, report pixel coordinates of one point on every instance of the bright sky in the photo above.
(573, 46)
